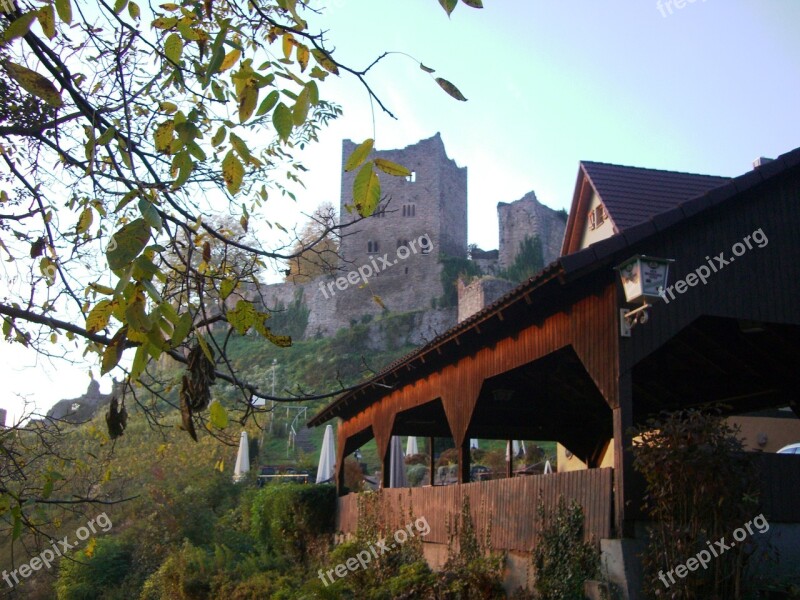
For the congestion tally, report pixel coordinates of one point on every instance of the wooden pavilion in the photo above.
(547, 361)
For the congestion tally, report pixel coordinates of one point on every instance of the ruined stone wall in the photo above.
(479, 294)
(528, 217)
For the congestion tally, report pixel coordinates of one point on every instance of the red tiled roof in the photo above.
(633, 195)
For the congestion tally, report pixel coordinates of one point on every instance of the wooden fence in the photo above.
(507, 506)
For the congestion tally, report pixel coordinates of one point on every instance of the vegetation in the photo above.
(128, 132)
(453, 269)
(528, 262)
(700, 488)
(562, 560)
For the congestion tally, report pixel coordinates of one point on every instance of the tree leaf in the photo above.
(283, 121)
(301, 107)
(232, 172)
(113, 351)
(226, 288)
(473, 3)
(325, 61)
(269, 103)
(359, 155)
(34, 83)
(134, 11)
(173, 48)
(366, 190)
(240, 147)
(248, 99)
(218, 415)
(391, 168)
(99, 316)
(127, 243)
(64, 8)
(47, 20)
(302, 57)
(163, 136)
(450, 89)
(84, 221)
(182, 329)
(448, 5)
(19, 26)
(231, 58)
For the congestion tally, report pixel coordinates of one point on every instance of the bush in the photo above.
(287, 519)
(562, 561)
(91, 575)
(700, 487)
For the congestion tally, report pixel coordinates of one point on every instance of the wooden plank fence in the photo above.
(507, 506)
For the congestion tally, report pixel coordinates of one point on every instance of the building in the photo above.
(555, 359)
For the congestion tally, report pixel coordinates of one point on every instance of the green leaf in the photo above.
(226, 288)
(182, 329)
(119, 6)
(134, 11)
(391, 168)
(242, 317)
(359, 155)
(99, 316)
(150, 214)
(268, 103)
(450, 89)
(366, 190)
(47, 20)
(204, 347)
(127, 243)
(19, 27)
(84, 221)
(301, 107)
(473, 3)
(140, 361)
(283, 121)
(240, 147)
(64, 9)
(173, 48)
(219, 137)
(217, 415)
(232, 172)
(34, 83)
(448, 5)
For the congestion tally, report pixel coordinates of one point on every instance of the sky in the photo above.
(705, 88)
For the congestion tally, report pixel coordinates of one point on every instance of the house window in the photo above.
(600, 212)
(412, 178)
(592, 220)
(372, 247)
(409, 210)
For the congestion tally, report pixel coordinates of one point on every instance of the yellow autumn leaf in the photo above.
(231, 58)
(34, 83)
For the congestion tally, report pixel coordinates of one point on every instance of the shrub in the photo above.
(700, 487)
(90, 575)
(287, 519)
(562, 561)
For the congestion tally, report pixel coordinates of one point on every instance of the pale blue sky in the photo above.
(550, 82)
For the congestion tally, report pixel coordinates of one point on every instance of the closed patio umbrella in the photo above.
(397, 468)
(327, 457)
(242, 459)
(411, 446)
(473, 443)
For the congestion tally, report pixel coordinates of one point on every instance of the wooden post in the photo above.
(464, 462)
(623, 458)
(510, 461)
(386, 469)
(433, 476)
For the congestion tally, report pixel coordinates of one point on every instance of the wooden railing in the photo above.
(508, 506)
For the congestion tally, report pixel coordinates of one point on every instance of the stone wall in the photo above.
(479, 294)
(528, 217)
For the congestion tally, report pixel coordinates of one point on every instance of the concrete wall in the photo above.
(528, 217)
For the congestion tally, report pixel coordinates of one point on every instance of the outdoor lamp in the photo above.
(643, 278)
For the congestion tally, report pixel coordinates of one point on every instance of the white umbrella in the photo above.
(548, 468)
(327, 457)
(242, 459)
(512, 446)
(397, 468)
(473, 443)
(411, 446)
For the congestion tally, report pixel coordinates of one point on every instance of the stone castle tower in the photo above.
(529, 217)
(430, 204)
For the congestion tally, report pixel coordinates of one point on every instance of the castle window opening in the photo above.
(412, 178)
(372, 247)
(409, 210)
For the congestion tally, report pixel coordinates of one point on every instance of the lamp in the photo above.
(643, 278)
